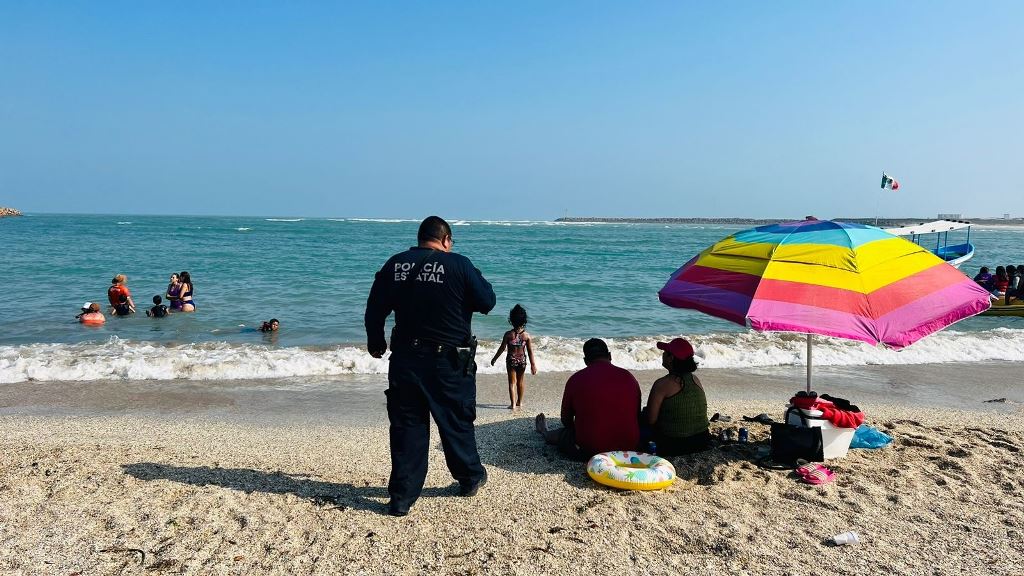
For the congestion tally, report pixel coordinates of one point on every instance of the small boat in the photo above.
(955, 254)
(1001, 308)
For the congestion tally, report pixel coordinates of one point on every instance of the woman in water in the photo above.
(174, 293)
(520, 348)
(187, 304)
(677, 409)
(120, 296)
(91, 314)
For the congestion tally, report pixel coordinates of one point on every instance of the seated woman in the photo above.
(677, 409)
(985, 279)
(1002, 281)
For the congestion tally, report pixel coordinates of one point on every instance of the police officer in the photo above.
(433, 293)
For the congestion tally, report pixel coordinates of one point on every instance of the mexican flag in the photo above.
(889, 182)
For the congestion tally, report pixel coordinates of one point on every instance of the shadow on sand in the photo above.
(515, 445)
(337, 495)
(512, 445)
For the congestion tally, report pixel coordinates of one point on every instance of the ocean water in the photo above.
(577, 281)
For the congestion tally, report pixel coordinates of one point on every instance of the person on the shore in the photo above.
(159, 310)
(433, 293)
(520, 349)
(600, 408)
(91, 315)
(677, 409)
(187, 303)
(173, 293)
(120, 297)
(271, 325)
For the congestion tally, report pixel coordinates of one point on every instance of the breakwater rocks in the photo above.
(8, 212)
(743, 221)
(880, 222)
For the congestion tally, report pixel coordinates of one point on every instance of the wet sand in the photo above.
(288, 478)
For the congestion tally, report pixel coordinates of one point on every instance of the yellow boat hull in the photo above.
(1001, 308)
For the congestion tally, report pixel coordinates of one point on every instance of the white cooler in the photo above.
(835, 440)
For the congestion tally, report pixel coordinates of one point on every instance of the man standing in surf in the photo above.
(433, 293)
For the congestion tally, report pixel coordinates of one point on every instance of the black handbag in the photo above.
(791, 443)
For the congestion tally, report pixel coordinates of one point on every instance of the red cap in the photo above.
(678, 347)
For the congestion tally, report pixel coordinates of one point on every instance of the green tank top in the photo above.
(685, 413)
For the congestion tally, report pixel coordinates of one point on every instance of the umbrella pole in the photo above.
(808, 363)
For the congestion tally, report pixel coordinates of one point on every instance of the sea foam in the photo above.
(119, 359)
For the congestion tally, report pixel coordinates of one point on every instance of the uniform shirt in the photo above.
(436, 305)
(602, 402)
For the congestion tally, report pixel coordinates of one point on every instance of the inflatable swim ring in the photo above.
(92, 319)
(631, 470)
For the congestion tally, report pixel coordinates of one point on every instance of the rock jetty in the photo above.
(881, 222)
(8, 212)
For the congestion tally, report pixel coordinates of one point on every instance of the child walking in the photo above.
(520, 347)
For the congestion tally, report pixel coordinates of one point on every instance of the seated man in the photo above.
(600, 408)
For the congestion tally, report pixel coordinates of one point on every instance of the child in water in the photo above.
(520, 347)
(158, 310)
(270, 325)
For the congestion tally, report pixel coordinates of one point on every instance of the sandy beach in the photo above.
(266, 477)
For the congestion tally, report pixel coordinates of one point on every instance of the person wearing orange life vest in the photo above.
(120, 297)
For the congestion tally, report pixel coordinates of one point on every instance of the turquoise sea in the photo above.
(313, 274)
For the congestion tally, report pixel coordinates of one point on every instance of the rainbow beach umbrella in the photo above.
(838, 279)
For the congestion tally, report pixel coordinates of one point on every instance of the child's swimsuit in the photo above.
(516, 351)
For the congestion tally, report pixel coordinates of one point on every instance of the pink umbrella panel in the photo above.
(839, 279)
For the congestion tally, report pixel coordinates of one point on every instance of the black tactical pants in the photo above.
(424, 382)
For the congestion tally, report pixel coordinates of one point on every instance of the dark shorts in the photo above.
(671, 446)
(567, 445)
(122, 310)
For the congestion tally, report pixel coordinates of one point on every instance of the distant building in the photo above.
(1006, 216)
(950, 216)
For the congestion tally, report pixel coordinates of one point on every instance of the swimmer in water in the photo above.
(270, 325)
(91, 314)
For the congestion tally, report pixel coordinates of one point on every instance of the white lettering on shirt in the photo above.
(431, 272)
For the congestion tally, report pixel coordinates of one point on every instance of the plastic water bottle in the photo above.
(744, 435)
(652, 448)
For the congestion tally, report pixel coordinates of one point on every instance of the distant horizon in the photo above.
(485, 219)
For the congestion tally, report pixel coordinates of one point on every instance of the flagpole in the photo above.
(876, 202)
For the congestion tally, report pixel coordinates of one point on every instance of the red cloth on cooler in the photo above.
(841, 418)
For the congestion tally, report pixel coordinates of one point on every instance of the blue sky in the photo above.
(515, 110)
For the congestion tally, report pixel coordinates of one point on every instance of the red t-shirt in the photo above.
(114, 293)
(604, 403)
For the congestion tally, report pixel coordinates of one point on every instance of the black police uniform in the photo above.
(434, 295)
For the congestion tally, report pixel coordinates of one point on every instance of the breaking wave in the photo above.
(119, 359)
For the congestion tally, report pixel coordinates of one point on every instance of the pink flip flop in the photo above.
(815, 474)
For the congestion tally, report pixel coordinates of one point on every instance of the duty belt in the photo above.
(420, 345)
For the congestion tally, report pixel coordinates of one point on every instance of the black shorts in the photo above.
(670, 446)
(567, 445)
